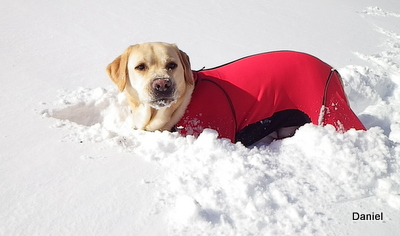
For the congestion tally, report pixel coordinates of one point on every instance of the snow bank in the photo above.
(214, 186)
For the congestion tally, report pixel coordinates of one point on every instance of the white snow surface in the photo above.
(70, 163)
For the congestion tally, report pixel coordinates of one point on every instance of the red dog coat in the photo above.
(234, 96)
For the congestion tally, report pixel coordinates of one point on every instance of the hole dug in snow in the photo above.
(88, 107)
(82, 114)
(92, 114)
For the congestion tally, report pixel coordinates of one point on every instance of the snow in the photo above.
(71, 165)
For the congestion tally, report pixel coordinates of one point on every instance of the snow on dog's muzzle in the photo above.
(157, 104)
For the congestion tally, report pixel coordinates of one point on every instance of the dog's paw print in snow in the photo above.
(91, 114)
(387, 60)
(373, 89)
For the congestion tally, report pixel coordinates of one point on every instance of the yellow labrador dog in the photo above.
(158, 82)
(267, 95)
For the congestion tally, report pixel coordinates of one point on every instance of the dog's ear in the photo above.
(117, 70)
(186, 67)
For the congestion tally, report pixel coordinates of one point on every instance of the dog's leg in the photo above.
(159, 119)
(267, 139)
(287, 132)
(281, 125)
(141, 116)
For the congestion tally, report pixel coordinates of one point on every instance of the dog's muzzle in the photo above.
(163, 93)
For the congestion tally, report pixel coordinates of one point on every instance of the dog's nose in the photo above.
(161, 85)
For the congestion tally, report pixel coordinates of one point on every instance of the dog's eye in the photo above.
(171, 66)
(140, 67)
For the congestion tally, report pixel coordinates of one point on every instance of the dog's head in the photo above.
(154, 73)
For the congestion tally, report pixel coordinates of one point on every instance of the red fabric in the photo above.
(243, 92)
